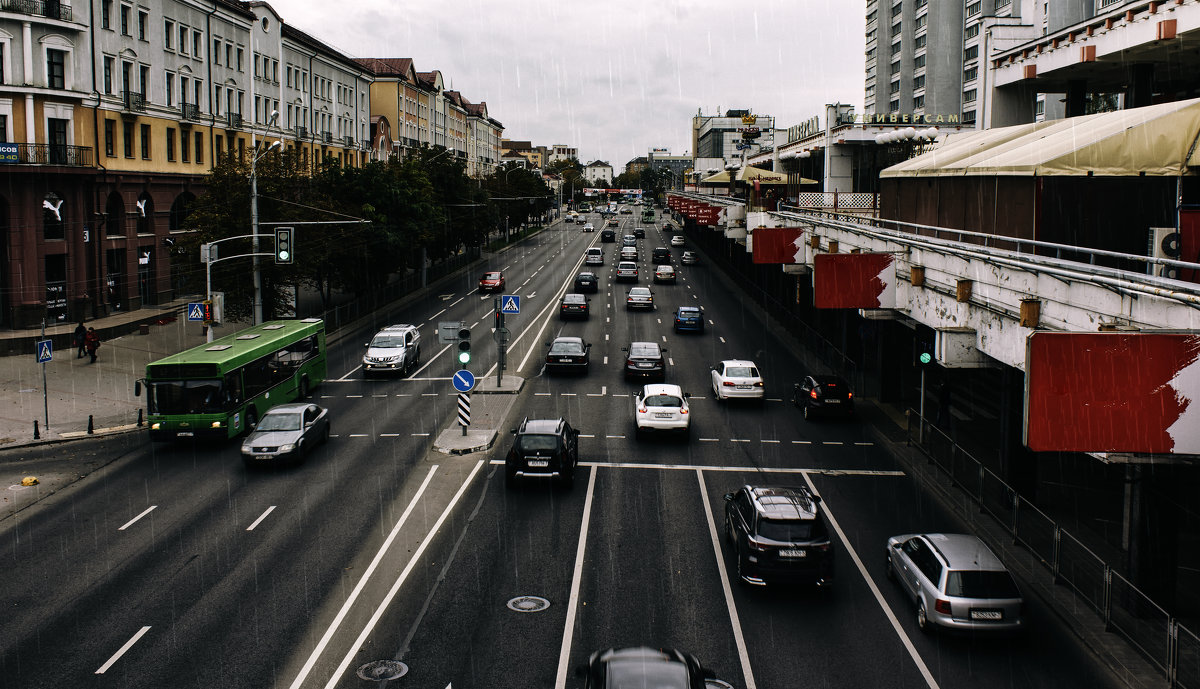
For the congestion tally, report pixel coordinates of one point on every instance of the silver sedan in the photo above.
(286, 433)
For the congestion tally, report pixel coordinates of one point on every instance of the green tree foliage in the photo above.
(518, 195)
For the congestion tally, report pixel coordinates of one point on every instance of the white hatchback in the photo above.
(737, 378)
(662, 407)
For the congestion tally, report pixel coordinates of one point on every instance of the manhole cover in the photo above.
(383, 670)
(528, 604)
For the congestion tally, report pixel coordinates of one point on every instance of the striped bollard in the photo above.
(464, 411)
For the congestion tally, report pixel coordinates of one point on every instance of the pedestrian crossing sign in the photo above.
(510, 304)
(195, 311)
(45, 351)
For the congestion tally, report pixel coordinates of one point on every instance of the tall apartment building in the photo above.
(731, 136)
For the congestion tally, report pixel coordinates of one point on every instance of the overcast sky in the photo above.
(612, 78)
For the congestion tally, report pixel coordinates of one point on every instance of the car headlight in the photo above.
(287, 448)
(155, 426)
(216, 424)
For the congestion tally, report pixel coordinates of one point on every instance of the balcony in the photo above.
(301, 132)
(349, 141)
(327, 137)
(190, 111)
(45, 154)
(51, 9)
(233, 120)
(133, 101)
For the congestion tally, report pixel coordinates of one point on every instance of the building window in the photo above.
(918, 102)
(896, 9)
(144, 77)
(199, 147)
(895, 49)
(145, 142)
(125, 11)
(143, 17)
(895, 68)
(240, 55)
(168, 33)
(110, 136)
(974, 9)
(216, 51)
(970, 53)
(199, 89)
(894, 88)
(56, 69)
(197, 45)
(895, 30)
(969, 95)
(972, 31)
(287, 73)
(919, 82)
(919, 42)
(170, 93)
(918, 62)
(127, 132)
(257, 71)
(170, 144)
(105, 14)
(894, 106)
(218, 150)
(109, 64)
(1039, 108)
(216, 101)
(228, 54)
(920, 22)
(183, 40)
(970, 74)
(183, 147)
(969, 117)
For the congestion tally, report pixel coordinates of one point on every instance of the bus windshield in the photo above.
(187, 397)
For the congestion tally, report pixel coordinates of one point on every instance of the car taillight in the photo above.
(759, 384)
(683, 411)
(641, 410)
(849, 395)
(629, 362)
(728, 383)
(823, 547)
(813, 393)
(942, 606)
(754, 545)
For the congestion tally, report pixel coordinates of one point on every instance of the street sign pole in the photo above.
(499, 343)
(45, 396)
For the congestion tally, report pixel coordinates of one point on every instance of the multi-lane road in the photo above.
(174, 566)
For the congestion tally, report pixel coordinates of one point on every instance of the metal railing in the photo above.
(233, 120)
(1172, 648)
(190, 111)
(301, 132)
(45, 154)
(134, 101)
(51, 9)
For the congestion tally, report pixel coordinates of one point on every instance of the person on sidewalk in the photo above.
(92, 343)
(80, 337)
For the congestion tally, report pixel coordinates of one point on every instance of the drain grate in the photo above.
(382, 670)
(528, 604)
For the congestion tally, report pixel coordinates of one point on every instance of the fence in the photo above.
(833, 200)
(1161, 639)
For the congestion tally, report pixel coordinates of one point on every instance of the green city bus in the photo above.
(222, 388)
(648, 215)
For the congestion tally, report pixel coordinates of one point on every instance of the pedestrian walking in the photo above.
(92, 343)
(80, 337)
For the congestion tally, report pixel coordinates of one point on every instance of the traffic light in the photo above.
(284, 251)
(464, 346)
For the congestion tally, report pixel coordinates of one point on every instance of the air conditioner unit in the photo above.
(1165, 242)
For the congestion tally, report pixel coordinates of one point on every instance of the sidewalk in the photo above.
(76, 388)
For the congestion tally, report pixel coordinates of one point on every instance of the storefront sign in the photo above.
(8, 153)
(904, 118)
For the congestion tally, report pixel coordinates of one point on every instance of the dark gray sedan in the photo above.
(286, 433)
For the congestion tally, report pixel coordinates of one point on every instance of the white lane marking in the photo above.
(621, 395)
(389, 435)
(403, 394)
(327, 397)
(361, 641)
(739, 440)
(606, 339)
(121, 651)
(604, 388)
(564, 653)
(710, 440)
(378, 395)
(456, 301)
(586, 435)
(659, 321)
(349, 373)
(738, 638)
(475, 324)
(362, 582)
(427, 363)
(420, 435)
(260, 518)
(614, 436)
(353, 395)
(429, 394)
(542, 394)
(359, 435)
(437, 314)
(671, 361)
(774, 399)
(912, 651)
(832, 442)
(771, 441)
(802, 442)
(131, 521)
(864, 444)
(721, 339)
(568, 394)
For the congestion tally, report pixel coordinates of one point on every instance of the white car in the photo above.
(737, 378)
(662, 407)
(677, 240)
(395, 349)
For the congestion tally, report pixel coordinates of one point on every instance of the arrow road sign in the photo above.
(463, 380)
(45, 351)
(510, 304)
(195, 311)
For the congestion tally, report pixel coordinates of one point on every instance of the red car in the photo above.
(492, 282)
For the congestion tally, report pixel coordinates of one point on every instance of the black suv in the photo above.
(543, 447)
(661, 254)
(608, 236)
(823, 395)
(778, 533)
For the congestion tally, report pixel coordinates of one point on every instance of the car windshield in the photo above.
(186, 397)
(981, 584)
(387, 341)
(664, 401)
(491, 276)
(646, 674)
(279, 421)
(791, 530)
(643, 349)
(688, 315)
(533, 442)
(639, 292)
(741, 372)
(566, 348)
(574, 299)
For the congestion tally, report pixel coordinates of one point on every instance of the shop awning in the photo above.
(753, 174)
(1156, 140)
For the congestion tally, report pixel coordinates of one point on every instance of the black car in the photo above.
(660, 254)
(568, 354)
(573, 306)
(608, 236)
(645, 360)
(639, 232)
(543, 447)
(664, 668)
(778, 534)
(587, 282)
(823, 396)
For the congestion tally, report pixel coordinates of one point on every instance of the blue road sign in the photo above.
(510, 304)
(45, 351)
(195, 311)
(463, 380)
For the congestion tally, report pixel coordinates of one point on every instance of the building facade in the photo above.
(732, 136)
(562, 152)
(598, 171)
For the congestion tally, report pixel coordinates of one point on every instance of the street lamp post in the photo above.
(258, 301)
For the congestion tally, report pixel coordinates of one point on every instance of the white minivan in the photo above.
(594, 256)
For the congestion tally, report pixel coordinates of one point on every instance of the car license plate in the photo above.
(564, 360)
(987, 614)
(262, 456)
(744, 387)
(539, 462)
(662, 415)
(184, 434)
(793, 553)
(647, 365)
(833, 401)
